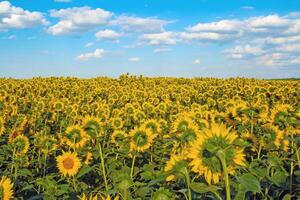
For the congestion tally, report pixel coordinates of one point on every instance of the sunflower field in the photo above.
(139, 138)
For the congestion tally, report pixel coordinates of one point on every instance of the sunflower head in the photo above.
(68, 164)
(47, 143)
(2, 127)
(204, 152)
(92, 126)
(75, 137)
(175, 166)
(141, 139)
(58, 106)
(153, 125)
(129, 109)
(119, 137)
(20, 144)
(6, 188)
(88, 158)
(162, 194)
(117, 123)
(182, 123)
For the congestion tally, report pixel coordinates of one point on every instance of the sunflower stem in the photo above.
(298, 156)
(291, 177)
(221, 156)
(132, 166)
(103, 167)
(188, 183)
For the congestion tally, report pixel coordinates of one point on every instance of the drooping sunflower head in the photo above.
(21, 144)
(92, 126)
(153, 125)
(88, 158)
(68, 164)
(47, 143)
(75, 137)
(162, 194)
(139, 115)
(6, 188)
(116, 123)
(174, 166)
(204, 152)
(119, 137)
(2, 126)
(182, 123)
(141, 139)
(129, 109)
(58, 106)
(280, 114)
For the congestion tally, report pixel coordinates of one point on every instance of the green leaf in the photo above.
(142, 192)
(203, 188)
(199, 187)
(278, 178)
(287, 197)
(297, 173)
(25, 173)
(249, 183)
(84, 170)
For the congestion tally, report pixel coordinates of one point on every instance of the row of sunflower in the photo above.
(149, 138)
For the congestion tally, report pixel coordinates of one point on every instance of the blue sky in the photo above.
(88, 38)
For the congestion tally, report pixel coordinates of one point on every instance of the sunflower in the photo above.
(116, 123)
(175, 161)
(162, 193)
(279, 114)
(47, 143)
(75, 137)
(203, 152)
(109, 198)
(21, 144)
(68, 164)
(182, 123)
(153, 125)
(58, 106)
(129, 109)
(88, 158)
(6, 191)
(118, 137)
(92, 126)
(84, 197)
(139, 115)
(141, 139)
(2, 127)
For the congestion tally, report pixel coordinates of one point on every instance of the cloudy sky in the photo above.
(88, 38)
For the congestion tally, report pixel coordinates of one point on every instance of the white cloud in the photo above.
(203, 36)
(98, 53)
(289, 47)
(138, 24)
(78, 20)
(197, 61)
(161, 49)
(239, 52)
(134, 59)
(222, 26)
(163, 38)
(89, 44)
(108, 35)
(16, 17)
(267, 22)
(270, 40)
